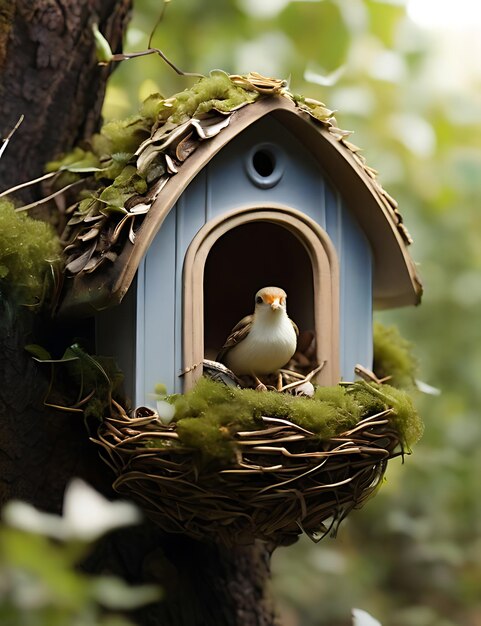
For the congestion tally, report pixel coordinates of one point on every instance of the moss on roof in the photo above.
(155, 143)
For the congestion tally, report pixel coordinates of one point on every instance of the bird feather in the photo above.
(240, 332)
(237, 334)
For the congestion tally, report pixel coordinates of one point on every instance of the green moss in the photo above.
(210, 398)
(216, 91)
(209, 416)
(114, 165)
(126, 135)
(28, 249)
(126, 184)
(112, 149)
(207, 437)
(151, 105)
(107, 153)
(393, 356)
(405, 416)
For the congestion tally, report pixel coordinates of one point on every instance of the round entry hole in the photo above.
(264, 162)
(265, 165)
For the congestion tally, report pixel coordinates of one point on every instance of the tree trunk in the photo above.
(48, 73)
(203, 584)
(40, 448)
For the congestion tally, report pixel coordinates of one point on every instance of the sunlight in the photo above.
(445, 14)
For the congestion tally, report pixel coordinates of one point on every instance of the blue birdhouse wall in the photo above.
(262, 211)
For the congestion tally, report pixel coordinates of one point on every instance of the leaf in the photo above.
(78, 263)
(93, 264)
(145, 158)
(169, 134)
(186, 147)
(171, 166)
(39, 352)
(89, 235)
(88, 361)
(119, 227)
(102, 46)
(209, 127)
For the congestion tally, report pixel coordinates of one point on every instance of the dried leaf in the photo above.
(89, 235)
(259, 83)
(165, 135)
(132, 233)
(339, 133)
(370, 171)
(209, 127)
(146, 157)
(389, 198)
(157, 188)
(93, 264)
(77, 218)
(80, 169)
(405, 234)
(77, 264)
(118, 228)
(171, 166)
(91, 219)
(140, 209)
(186, 147)
(351, 146)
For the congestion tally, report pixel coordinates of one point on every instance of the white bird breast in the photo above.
(269, 345)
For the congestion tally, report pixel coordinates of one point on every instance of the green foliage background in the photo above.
(412, 557)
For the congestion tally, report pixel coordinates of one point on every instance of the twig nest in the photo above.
(267, 478)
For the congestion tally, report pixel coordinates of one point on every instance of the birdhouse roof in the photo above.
(101, 277)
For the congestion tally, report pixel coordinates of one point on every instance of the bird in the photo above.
(263, 342)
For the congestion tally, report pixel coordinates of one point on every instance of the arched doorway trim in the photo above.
(325, 273)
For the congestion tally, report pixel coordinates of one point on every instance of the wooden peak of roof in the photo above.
(395, 281)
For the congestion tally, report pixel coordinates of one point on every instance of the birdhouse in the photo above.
(261, 195)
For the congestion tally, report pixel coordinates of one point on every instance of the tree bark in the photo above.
(203, 584)
(40, 448)
(49, 73)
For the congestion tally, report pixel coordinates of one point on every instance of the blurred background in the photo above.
(406, 77)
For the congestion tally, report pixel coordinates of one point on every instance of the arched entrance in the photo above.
(233, 256)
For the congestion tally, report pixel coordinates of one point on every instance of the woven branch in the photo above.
(284, 481)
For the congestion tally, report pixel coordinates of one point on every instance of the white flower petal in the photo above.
(88, 515)
(362, 618)
(165, 411)
(25, 517)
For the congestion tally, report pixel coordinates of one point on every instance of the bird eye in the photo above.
(259, 300)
